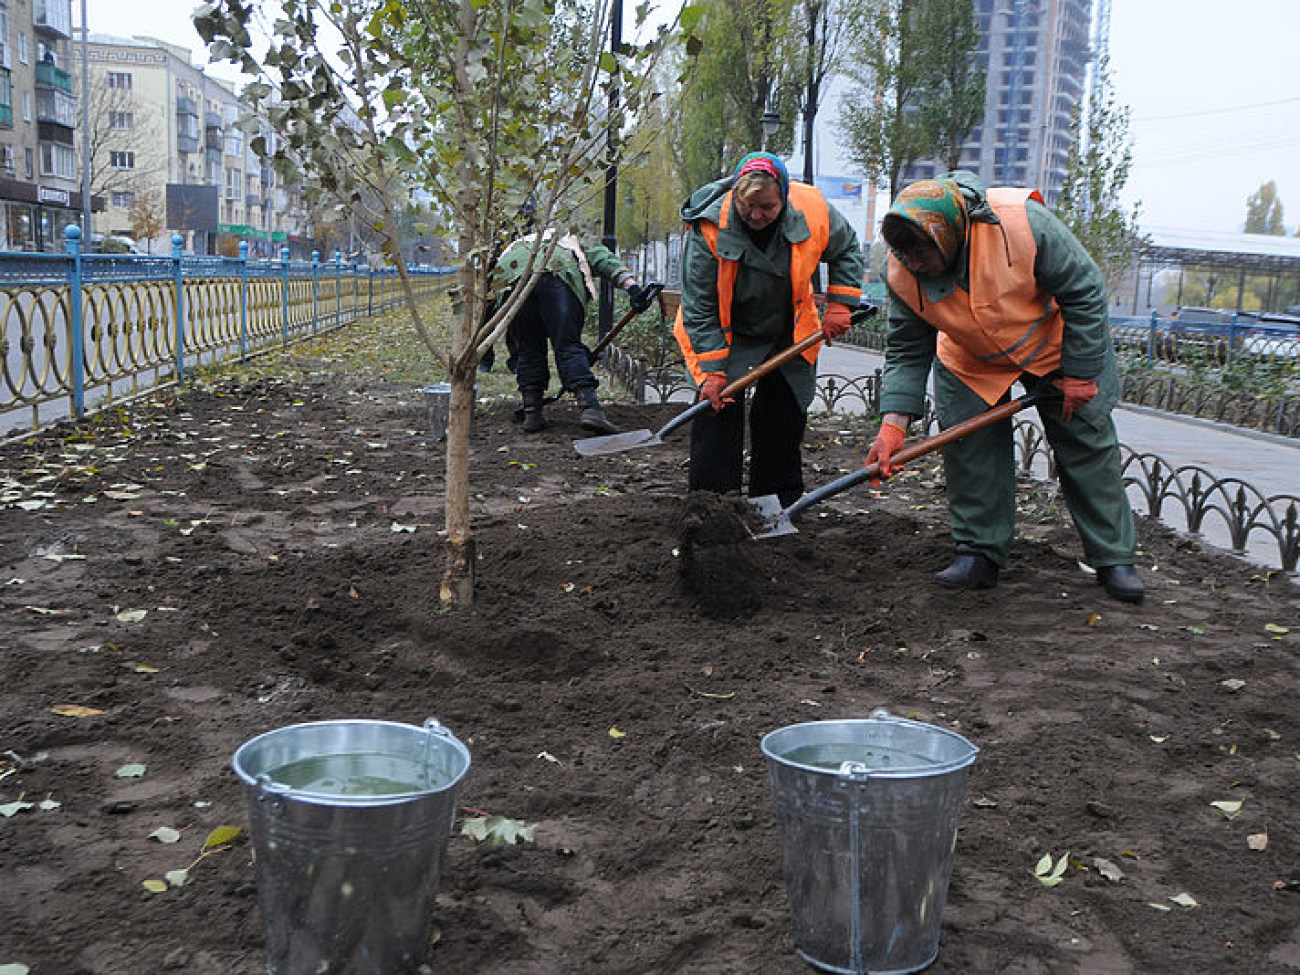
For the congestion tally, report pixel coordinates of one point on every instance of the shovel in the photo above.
(776, 520)
(618, 442)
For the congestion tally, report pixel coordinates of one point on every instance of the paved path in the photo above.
(1270, 463)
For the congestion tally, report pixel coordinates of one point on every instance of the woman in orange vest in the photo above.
(748, 262)
(992, 289)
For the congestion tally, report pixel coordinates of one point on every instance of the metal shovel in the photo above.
(633, 439)
(777, 520)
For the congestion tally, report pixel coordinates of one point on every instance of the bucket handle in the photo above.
(433, 728)
(855, 771)
(276, 793)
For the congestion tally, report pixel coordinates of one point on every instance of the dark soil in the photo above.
(263, 523)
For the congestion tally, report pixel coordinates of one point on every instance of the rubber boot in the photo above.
(534, 420)
(593, 417)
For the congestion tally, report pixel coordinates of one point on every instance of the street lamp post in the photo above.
(770, 120)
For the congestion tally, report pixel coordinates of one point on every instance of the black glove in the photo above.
(639, 297)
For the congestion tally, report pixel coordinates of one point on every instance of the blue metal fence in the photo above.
(77, 325)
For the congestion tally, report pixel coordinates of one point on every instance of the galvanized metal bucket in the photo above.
(437, 400)
(867, 812)
(349, 822)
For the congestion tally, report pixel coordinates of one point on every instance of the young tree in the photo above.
(1096, 172)
(953, 102)
(148, 218)
(886, 58)
(1264, 211)
(495, 109)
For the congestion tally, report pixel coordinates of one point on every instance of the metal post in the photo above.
(178, 273)
(284, 292)
(243, 301)
(338, 288)
(315, 291)
(72, 243)
(605, 315)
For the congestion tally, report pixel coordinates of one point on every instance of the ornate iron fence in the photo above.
(75, 325)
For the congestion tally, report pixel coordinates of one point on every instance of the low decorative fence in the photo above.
(76, 325)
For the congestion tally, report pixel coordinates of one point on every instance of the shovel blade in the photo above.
(616, 443)
(775, 520)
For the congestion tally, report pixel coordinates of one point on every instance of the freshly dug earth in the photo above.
(282, 532)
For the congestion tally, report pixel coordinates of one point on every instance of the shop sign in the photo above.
(49, 194)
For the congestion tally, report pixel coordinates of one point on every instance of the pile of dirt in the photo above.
(261, 552)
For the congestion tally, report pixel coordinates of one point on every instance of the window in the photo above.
(27, 106)
(58, 160)
(121, 121)
(123, 200)
(22, 47)
(120, 80)
(234, 184)
(121, 160)
(28, 165)
(7, 160)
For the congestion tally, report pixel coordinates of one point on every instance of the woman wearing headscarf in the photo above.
(748, 264)
(991, 288)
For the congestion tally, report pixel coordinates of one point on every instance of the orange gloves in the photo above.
(711, 390)
(889, 440)
(836, 320)
(1076, 392)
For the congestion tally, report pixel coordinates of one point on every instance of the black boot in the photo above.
(969, 570)
(593, 417)
(1122, 582)
(534, 420)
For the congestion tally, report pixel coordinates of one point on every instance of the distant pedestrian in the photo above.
(991, 288)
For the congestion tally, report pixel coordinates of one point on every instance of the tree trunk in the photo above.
(459, 573)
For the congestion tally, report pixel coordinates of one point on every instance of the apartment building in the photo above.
(40, 191)
(164, 143)
(1035, 54)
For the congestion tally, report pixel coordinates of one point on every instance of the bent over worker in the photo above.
(997, 289)
(753, 247)
(556, 310)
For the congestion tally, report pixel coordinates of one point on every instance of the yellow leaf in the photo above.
(1094, 619)
(76, 711)
(155, 886)
(615, 733)
(1274, 628)
(221, 836)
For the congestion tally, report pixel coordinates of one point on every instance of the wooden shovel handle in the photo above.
(652, 290)
(778, 360)
(957, 431)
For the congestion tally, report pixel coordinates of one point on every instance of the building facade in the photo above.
(1035, 54)
(166, 150)
(39, 177)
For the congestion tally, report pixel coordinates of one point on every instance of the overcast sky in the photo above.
(1212, 86)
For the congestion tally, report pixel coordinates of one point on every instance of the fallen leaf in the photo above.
(132, 771)
(983, 802)
(1049, 875)
(165, 834)
(1184, 900)
(1159, 907)
(1232, 684)
(1274, 628)
(177, 878)
(1094, 619)
(490, 831)
(155, 886)
(1229, 807)
(48, 804)
(1257, 841)
(132, 615)
(13, 808)
(549, 757)
(717, 697)
(615, 733)
(395, 528)
(1108, 869)
(221, 836)
(144, 668)
(16, 968)
(75, 711)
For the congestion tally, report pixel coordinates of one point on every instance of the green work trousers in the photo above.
(981, 471)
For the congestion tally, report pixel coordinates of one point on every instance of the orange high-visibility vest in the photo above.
(1006, 323)
(804, 258)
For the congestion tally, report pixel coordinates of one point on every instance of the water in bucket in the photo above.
(867, 811)
(349, 822)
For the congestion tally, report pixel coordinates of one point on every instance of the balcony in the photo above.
(53, 17)
(6, 116)
(49, 75)
(187, 107)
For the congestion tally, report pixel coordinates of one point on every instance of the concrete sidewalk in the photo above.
(1269, 463)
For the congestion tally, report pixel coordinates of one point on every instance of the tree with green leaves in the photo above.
(497, 111)
(740, 53)
(1264, 211)
(916, 83)
(954, 99)
(1096, 171)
